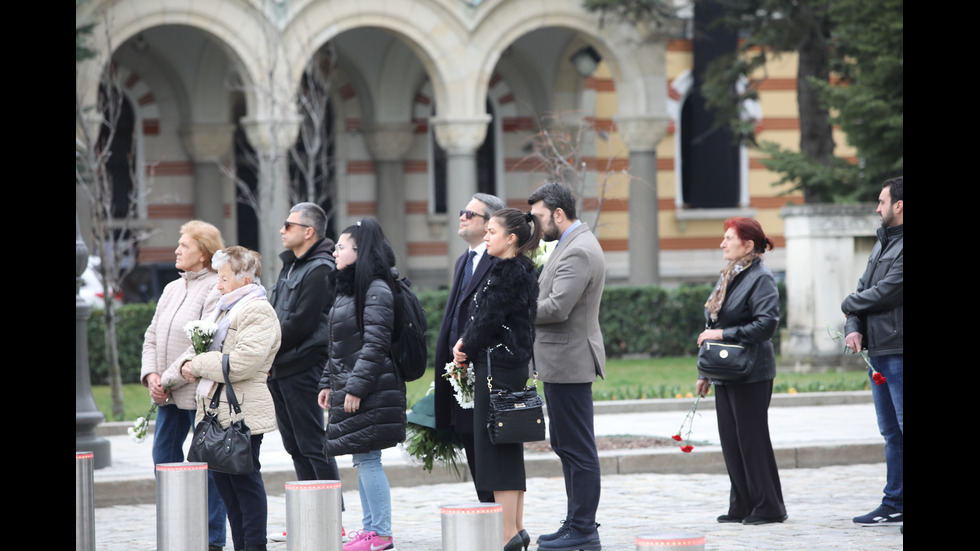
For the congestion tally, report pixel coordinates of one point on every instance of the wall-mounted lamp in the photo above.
(586, 61)
(140, 44)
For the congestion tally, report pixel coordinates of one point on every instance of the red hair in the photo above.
(748, 229)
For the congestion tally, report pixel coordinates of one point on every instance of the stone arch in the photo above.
(230, 22)
(636, 62)
(430, 30)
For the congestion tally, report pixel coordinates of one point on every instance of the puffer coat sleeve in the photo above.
(360, 364)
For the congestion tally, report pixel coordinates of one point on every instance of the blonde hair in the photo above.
(208, 239)
(242, 262)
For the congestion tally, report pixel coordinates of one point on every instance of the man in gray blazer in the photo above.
(569, 354)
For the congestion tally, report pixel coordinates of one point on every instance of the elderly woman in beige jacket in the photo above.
(188, 298)
(249, 332)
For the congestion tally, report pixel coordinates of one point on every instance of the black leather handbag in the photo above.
(726, 361)
(226, 450)
(514, 416)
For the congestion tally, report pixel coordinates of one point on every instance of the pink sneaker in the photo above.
(370, 541)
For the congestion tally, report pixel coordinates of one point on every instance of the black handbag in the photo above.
(514, 416)
(726, 361)
(226, 450)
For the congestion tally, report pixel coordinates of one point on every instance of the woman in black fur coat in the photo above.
(501, 328)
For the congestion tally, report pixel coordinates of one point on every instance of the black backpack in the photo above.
(409, 351)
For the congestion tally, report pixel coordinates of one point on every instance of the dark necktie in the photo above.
(468, 270)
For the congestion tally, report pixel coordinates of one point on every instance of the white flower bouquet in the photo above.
(542, 253)
(462, 379)
(137, 432)
(201, 333)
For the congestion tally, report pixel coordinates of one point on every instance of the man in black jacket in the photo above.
(875, 315)
(472, 227)
(302, 298)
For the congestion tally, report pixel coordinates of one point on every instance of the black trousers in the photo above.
(743, 425)
(571, 425)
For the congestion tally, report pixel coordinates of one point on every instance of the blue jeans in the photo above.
(172, 426)
(372, 485)
(888, 406)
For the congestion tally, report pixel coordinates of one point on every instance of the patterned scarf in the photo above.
(735, 267)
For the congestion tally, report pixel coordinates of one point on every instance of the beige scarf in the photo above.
(735, 267)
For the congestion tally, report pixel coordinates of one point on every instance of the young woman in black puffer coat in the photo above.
(502, 324)
(360, 387)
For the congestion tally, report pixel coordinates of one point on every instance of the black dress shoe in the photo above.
(729, 518)
(756, 519)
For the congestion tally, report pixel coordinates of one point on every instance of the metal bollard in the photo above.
(182, 506)
(473, 527)
(313, 515)
(692, 542)
(84, 501)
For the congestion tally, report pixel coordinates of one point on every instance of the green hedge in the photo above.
(648, 321)
(131, 323)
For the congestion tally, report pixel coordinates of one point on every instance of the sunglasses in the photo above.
(287, 223)
(468, 215)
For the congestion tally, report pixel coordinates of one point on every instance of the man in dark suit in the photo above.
(569, 355)
(469, 272)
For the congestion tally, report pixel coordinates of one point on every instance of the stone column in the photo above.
(388, 144)
(271, 140)
(208, 145)
(827, 248)
(460, 137)
(641, 135)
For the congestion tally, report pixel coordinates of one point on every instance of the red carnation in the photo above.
(687, 449)
(878, 378)
(677, 437)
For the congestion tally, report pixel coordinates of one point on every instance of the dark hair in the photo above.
(375, 260)
(748, 229)
(523, 225)
(555, 196)
(492, 202)
(895, 186)
(313, 216)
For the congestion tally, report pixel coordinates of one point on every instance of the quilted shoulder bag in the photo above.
(514, 416)
(226, 450)
(725, 360)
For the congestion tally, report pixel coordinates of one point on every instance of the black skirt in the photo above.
(498, 467)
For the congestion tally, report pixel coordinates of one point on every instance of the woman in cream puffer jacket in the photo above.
(249, 333)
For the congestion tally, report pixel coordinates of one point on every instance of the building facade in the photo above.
(425, 102)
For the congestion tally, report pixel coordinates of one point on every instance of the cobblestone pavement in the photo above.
(820, 503)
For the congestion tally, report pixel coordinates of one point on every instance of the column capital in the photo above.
(460, 135)
(641, 133)
(389, 142)
(207, 143)
(269, 136)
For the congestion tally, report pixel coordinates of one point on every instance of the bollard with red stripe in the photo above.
(313, 509)
(473, 527)
(182, 506)
(685, 541)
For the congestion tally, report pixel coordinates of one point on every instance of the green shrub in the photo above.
(131, 323)
(647, 321)
(655, 322)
